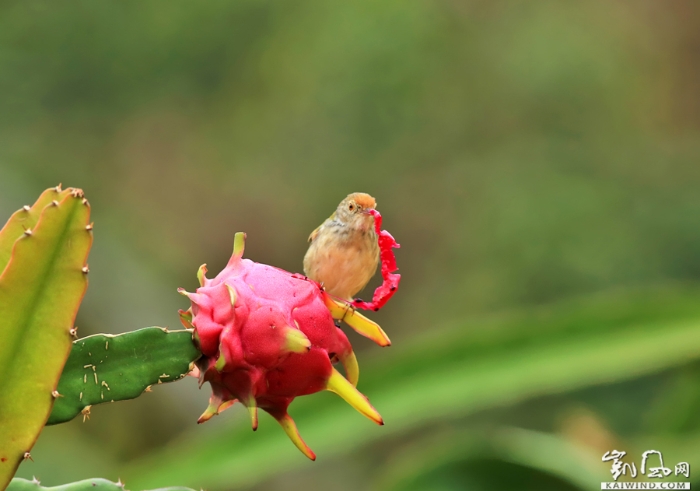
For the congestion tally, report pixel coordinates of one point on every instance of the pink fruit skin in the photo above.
(266, 336)
(251, 332)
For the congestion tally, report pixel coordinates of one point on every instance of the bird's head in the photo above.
(354, 211)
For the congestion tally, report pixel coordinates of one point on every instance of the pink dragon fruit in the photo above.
(268, 336)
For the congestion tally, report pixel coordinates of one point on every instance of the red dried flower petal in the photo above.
(386, 290)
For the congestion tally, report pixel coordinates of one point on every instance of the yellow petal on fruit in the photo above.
(231, 293)
(296, 341)
(186, 318)
(337, 309)
(239, 244)
(225, 405)
(220, 361)
(290, 428)
(361, 324)
(212, 409)
(253, 411)
(366, 327)
(352, 369)
(338, 384)
(201, 274)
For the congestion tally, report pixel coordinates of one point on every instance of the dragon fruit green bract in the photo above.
(268, 336)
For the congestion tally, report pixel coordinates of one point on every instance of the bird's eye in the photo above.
(351, 207)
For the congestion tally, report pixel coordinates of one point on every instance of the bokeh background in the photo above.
(537, 161)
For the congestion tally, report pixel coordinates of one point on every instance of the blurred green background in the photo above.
(537, 161)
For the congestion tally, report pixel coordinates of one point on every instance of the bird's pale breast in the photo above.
(343, 266)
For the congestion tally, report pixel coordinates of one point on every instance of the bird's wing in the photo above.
(314, 234)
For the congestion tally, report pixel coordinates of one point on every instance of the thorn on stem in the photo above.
(85, 269)
(54, 202)
(28, 456)
(26, 208)
(28, 231)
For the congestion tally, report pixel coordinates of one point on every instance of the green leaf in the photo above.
(108, 368)
(452, 372)
(467, 448)
(40, 291)
(96, 484)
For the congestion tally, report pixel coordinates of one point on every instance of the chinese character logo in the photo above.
(683, 468)
(619, 467)
(660, 471)
(648, 468)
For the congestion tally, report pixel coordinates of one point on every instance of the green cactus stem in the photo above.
(25, 219)
(107, 368)
(97, 484)
(41, 287)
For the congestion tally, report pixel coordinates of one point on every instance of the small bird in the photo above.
(344, 253)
